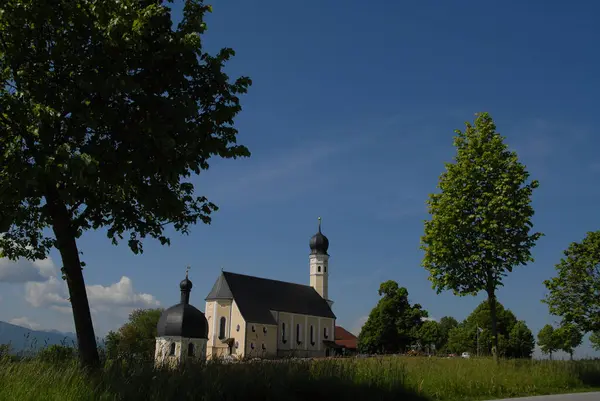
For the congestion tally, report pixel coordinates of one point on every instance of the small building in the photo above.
(258, 317)
(182, 332)
(346, 341)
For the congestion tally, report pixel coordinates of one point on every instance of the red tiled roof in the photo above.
(344, 338)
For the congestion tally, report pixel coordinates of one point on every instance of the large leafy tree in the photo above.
(393, 324)
(521, 342)
(574, 294)
(474, 333)
(105, 110)
(137, 337)
(547, 340)
(446, 324)
(429, 334)
(481, 219)
(568, 337)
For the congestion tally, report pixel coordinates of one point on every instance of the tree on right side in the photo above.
(480, 225)
(595, 340)
(574, 294)
(547, 340)
(568, 337)
(393, 324)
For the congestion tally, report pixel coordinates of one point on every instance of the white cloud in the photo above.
(117, 297)
(52, 293)
(120, 294)
(23, 270)
(24, 322)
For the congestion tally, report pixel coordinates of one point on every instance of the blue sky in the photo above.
(351, 117)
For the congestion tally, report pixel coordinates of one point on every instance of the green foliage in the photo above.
(393, 324)
(446, 324)
(429, 334)
(106, 111)
(481, 219)
(5, 350)
(521, 342)
(515, 340)
(57, 354)
(547, 340)
(135, 338)
(595, 340)
(568, 337)
(574, 294)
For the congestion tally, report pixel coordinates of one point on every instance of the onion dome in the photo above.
(319, 244)
(183, 319)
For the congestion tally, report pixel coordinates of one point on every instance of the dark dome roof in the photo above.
(319, 244)
(186, 285)
(182, 320)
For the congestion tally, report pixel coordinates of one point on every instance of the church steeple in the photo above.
(186, 287)
(319, 263)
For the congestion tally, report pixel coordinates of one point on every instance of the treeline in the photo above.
(396, 326)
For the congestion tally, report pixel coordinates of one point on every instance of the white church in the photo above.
(249, 316)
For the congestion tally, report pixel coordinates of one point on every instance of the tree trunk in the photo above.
(65, 237)
(492, 303)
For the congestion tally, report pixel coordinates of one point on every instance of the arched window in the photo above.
(312, 335)
(325, 269)
(319, 269)
(222, 324)
(283, 333)
(298, 339)
(172, 349)
(190, 349)
(325, 336)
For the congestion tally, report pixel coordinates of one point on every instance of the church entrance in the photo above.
(327, 352)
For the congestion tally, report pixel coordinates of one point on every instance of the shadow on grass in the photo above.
(261, 381)
(588, 372)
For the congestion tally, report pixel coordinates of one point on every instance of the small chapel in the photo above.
(249, 316)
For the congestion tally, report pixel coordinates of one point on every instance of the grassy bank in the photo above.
(390, 378)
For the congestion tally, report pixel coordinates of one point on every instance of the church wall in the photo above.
(215, 310)
(305, 348)
(162, 351)
(238, 331)
(261, 340)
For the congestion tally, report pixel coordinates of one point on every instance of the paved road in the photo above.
(559, 397)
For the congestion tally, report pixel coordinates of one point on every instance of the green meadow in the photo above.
(379, 378)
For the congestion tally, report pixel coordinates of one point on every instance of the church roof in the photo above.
(183, 319)
(345, 338)
(256, 297)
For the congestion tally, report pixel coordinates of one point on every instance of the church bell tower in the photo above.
(319, 264)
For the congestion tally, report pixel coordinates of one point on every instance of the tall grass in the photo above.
(386, 378)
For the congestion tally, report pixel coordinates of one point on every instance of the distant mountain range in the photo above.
(25, 339)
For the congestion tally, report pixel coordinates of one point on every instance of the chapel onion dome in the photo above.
(183, 319)
(319, 244)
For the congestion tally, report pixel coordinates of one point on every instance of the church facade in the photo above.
(257, 317)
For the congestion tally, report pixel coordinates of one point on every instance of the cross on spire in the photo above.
(319, 223)
(187, 270)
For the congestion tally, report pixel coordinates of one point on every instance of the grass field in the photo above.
(386, 378)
